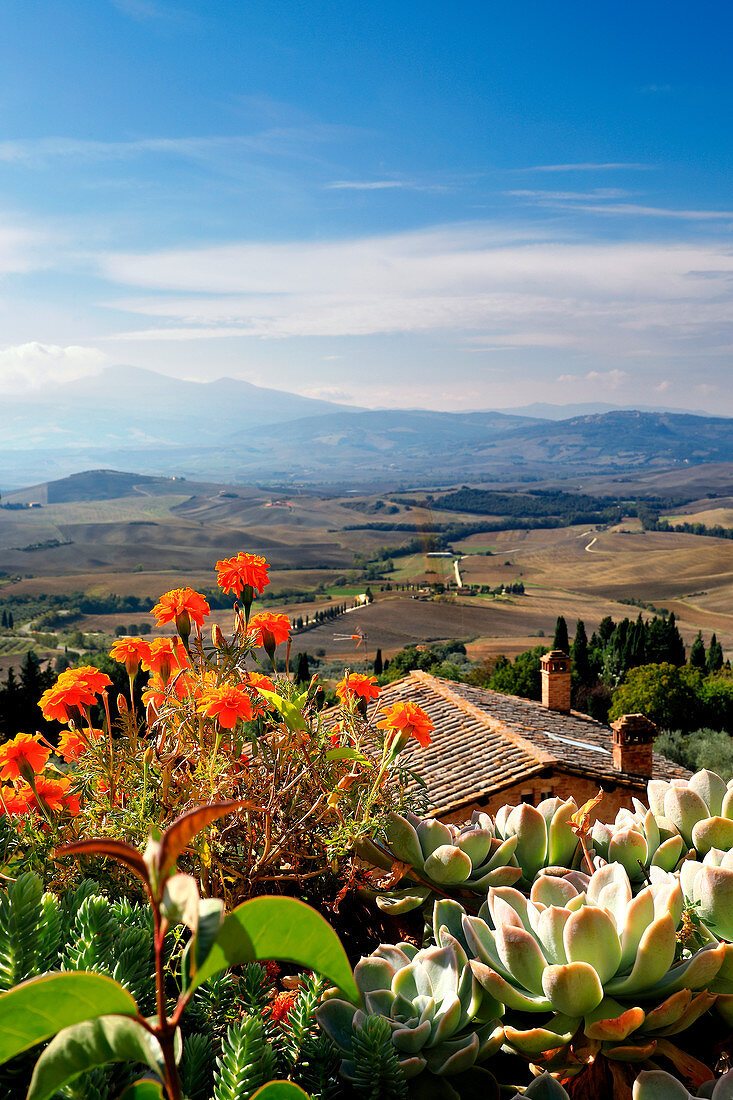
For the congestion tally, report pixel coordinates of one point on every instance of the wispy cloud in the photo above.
(570, 196)
(597, 299)
(382, 185)
(588, 166)
(277, 141)
(609, 379)
(660, 212)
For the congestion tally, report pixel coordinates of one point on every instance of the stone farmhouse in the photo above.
(489, 749)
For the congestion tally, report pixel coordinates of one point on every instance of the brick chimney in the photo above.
(555, 673)
(633, 744)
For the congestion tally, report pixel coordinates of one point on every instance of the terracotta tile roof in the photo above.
(485, 741)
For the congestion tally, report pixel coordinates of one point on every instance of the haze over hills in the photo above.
(158, 425)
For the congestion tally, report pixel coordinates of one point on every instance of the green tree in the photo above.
(302, 669)
(561, 639)
(520, 677)
(581, 663)
(715, 655)
(378, 666)
(697, 653)
(666, 694)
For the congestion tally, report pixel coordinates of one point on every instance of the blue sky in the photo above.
(456, 206)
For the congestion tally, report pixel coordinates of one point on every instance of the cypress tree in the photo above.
(676, 645)
(581, 664)
(302, 670)
(379, 668)
(561, 640)
(11, 620)
(4, 619)
(715, 655)
(697, 653)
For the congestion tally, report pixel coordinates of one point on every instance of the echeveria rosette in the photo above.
(700, 807)
(543, 833)
(638, 841)
(445, 857)
(599, 959)
(442, 1020)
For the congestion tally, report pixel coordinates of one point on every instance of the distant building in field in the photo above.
(489, 749)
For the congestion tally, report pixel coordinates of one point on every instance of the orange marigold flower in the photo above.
(56, 794)
(23, 754)
(410, 720)
(15, 800)
(182, 606)
(227, 704)
(259, 682)
(90, 676)
(130, 652)
(281, 1004)
(245, 570)
(268, 629)
(164, 658)
(72, 746)
(356, 685)
(73, 691)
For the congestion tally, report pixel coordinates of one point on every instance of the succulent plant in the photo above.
(700, 807)
(638, 841)
(652, 1084)
(543, 833)
(588, 951)
(655, 1084)
(708, 886)
(443, 858)
(441, 1018)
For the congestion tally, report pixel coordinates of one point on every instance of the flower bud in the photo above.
(122, 706)
(216, 636)
(151, 713)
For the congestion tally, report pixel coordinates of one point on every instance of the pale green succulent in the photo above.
(701, 808)
(599, 959)
(655, 1084)
(638, 841)
(442, 1020)
(708, 886)
(443, 858)
(652, 1084)
(543, 833)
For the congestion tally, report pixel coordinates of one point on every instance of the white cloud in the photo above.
(367, 185)
(588, 167)
(600, 298)
(33, 366)
(274, 141)
(609, 379)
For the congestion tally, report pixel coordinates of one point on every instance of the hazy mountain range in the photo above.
(235, 431)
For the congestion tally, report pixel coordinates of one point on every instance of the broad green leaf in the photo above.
(94, 1043)
(35, 1010)
(279, 928)
(348, 754)
(143, 1090)
(291, 714)
(280, 1090)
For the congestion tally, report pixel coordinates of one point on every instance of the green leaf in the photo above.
(37, 1009)
(93, 1043)
(291, 715)
(279, 928)
(280, 1090)
(348, 754)
(143, 1090)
